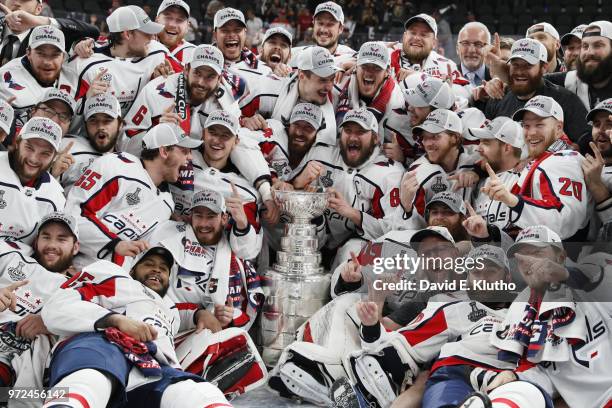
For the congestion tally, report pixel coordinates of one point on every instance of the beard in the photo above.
(416, 54)
(297, 149)
(200, 95)
(597, 74)
(19, 166)
(456, 230)
(103, 147)
(366, 152)
(209, 238)
(63, 263)
(523, 90)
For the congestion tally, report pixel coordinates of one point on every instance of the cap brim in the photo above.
(311, 122)
(529, 58)
(325, 72)
(429, 127)
(450, 206)
(418, 237)
(327, 11)
(415, 99)
(516, 246)
(92, 112)
(161, 10)
(60, 220)
(567, 37)
(25, 136)
(222, 124)
(281, 34)
(161, 251)
(478, 134)
(414, 19)
(373, 61)
(227, 21)
(38, 44)
(190, 143)
(151, 28)
(591, 114)
(359, 122)
(214, 67)
(518, 115)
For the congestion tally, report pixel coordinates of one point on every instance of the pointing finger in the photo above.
(5, 9)
(234, 190)
(490, 171)
(354, 258)
(597, 152)
(470, 208)
(100, 74)
(16, 285)
(170, 108)
(67, 148)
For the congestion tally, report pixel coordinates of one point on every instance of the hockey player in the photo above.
(372, 86)
(287, 150)
(562, 354)
(549, 37)
(119, 199)
(500, 145)
(42, 67)
(230, 37)
(218, 294)
(103, 122)
(127, 62)
(428, 94)
(551, 190)
(597, 169)
(57, 243)
(417, 54)
(56, 105)
(28, 190)
(443, 162)
(276, 49)
(328, 24)
(571, 44)
(117, 339)
(364, 184)
(312, 83)
(185, 98)
(213, 168)
(174, 16)
(7, 118)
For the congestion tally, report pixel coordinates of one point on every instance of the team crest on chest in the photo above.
(439, 185)
(326, 180)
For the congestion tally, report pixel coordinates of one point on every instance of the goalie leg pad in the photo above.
(306, 371)
(228, 359)
(384, 370)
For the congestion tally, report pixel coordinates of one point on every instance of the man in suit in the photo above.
(472, 44)
(21, 16)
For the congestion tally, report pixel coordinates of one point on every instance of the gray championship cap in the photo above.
(168, 134)
(42, 128)
(432, 231)
(603, 106)
(47, 34)
(307, 112)
(277, 31)
(440, 120)
(105, 103)
(66, 219)
(211, 199)
(490, 253)
(529, 50)
(374, 52)
(317, 60)
(452, 200)
(332, 8)
(575, 33)
(224, 119)
(430, 92)
(166, 4)
(129, 18)
(227, 14)
(543, 28)
(54, 94)
(503, 129)
(7, 115)
(363, 117)
(209, 56)
(425, 18)
(543, 106)
(537, 235)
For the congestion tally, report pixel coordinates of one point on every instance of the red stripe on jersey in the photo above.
(307, 337)
(118, 259)
(453, 361)
(73, 396)
(608, 404)
(549, 199)
(250, 209)
(82, 89)
(99, 200)
(506, 401)
(419, 202)
(250, 108)
(218, 404)
(134, 132)
(377, 211)
(427, 329)
(90, 290)
(266, 147)
(187, 306)
(176, 65)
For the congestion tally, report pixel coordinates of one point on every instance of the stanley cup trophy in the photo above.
(296, 285)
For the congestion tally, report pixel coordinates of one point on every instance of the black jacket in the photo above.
(74, 30)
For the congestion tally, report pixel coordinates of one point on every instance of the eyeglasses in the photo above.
(50, 113)
(467, 44)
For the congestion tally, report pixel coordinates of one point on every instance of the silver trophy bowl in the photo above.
(301, 206)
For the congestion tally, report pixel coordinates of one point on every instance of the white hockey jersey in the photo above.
(435, 65)
(552, 192)
(183, 52)
(16, 79)
(126, 76)
(206, 275)
(494, 212)
(115, 199)
(83, 154)
(433, 179)
(102, 288)
(156, 97)
(21, 207)
(388, 106)
(16, 266)
(246, 244)
(372, 188)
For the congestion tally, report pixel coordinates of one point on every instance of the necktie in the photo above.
(474, 79)
(7, 50)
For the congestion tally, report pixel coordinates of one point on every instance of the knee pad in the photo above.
(86, 388)
(228, 359)
(384, 371)
(191, 394)
(306, 371)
